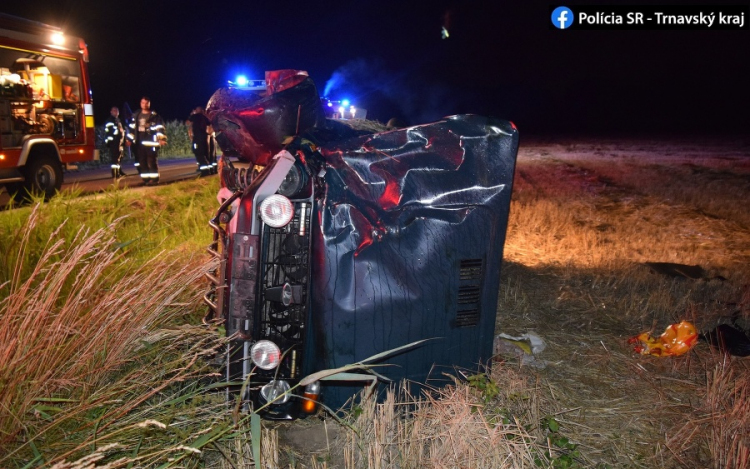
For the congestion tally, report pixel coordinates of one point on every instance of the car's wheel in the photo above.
(43, 175)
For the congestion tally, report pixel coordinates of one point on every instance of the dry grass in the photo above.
(584, 220)
(719, 433)
(456, 426)
(89, 363)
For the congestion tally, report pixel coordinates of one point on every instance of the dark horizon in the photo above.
(500, 60)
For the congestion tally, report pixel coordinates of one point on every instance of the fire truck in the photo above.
(46, 112)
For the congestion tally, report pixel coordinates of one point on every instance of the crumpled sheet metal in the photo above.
(253, 125)
(400, 211)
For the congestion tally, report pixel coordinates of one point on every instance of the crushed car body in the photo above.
(338, 244)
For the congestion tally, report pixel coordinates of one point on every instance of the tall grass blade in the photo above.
(255, 432)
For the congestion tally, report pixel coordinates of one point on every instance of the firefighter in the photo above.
(198, 125)
(115, 135)
(147, 133)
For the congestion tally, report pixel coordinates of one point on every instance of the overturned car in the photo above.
(338, 243)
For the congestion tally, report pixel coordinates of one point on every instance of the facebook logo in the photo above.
(562, 17)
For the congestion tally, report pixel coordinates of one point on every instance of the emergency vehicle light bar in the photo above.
(243, 83)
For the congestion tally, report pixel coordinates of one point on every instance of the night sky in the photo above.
(501, 59)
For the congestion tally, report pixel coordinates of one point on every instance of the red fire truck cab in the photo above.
(46, 113)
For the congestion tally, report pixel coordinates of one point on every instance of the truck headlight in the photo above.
(294, 182)
(276, 391)
(276, 211)
(265, 354)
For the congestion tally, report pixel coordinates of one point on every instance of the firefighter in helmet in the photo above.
(115, 136)
(147, 133)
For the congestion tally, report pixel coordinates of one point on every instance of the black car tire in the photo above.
(43, 175)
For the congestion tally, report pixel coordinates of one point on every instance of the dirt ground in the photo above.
(588, 221)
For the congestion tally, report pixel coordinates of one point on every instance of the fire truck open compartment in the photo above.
(38, 95)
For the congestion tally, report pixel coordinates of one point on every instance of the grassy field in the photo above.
(99, 342)
(586, 218)
(103, 361)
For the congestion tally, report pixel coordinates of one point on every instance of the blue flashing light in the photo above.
(344, 102)
(241, 80)
(330, 104)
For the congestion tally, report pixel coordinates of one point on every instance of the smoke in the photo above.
(357, 76)
(334, 83)
(409, 94)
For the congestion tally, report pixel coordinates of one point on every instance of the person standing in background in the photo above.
(198, 125)
(212, 151)
(115, 136)
(147, 134)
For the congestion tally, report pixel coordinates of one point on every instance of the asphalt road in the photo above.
(96, 180)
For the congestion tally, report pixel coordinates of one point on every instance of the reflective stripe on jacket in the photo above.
(154, 134)
(113, 130)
